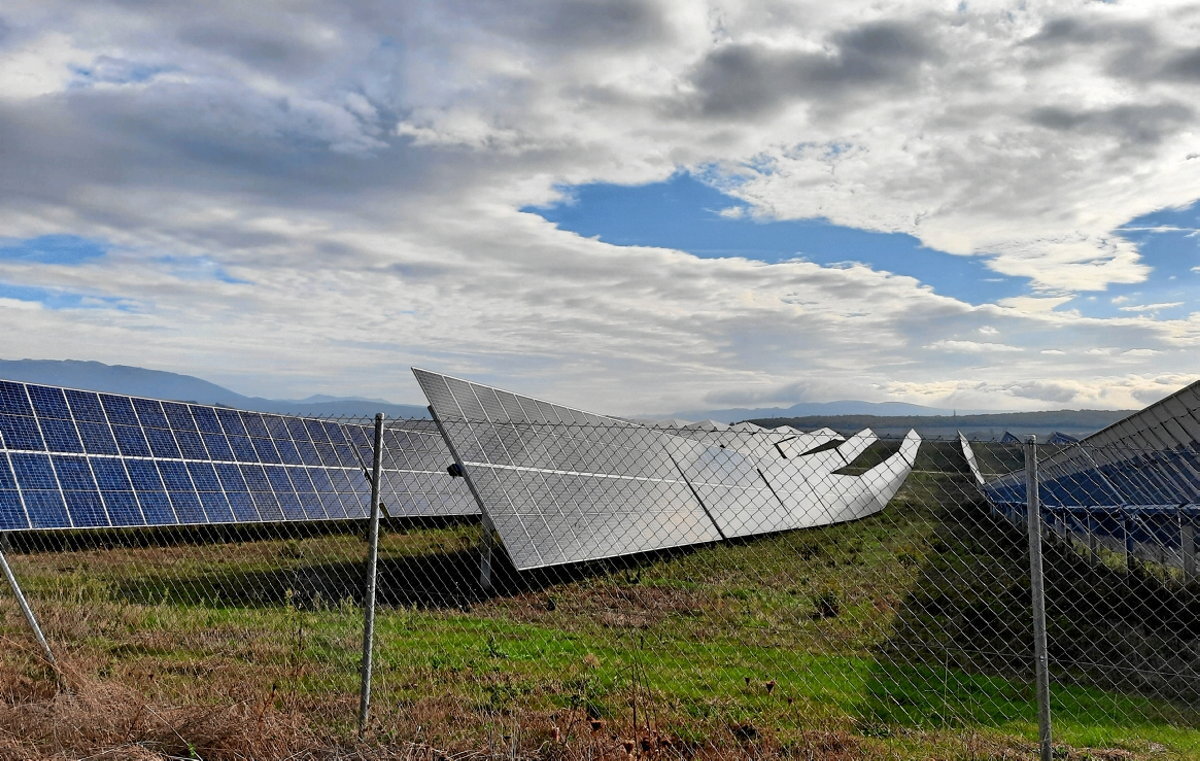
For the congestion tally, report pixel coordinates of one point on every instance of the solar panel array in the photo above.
(562, 486)
(1130, 484)
(802, 443)
(81, 459)
(1151, 458)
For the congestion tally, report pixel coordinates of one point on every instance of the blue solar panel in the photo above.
(49, 402)
(130, 441)
(46, 508)
(84, 405)
(13, 399)
(20, 432)
(60, 435)
(81, 459)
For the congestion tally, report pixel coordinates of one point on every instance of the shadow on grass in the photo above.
(440, 578)
(1124, 644)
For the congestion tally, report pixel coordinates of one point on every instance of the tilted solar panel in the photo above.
(82, 459)
(819, 497)
(803, 443)
(561, 485)
(764, 443)
(1149, 459)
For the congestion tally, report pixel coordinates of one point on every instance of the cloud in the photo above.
(323, 198)
(743, 79)
(1132, 125)
(972, 346)
(1151, 307)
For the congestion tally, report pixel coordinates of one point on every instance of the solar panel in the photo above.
(764, 443)
(803, 443)
(819, 497)
(730, 484)
(1149, 459)
(415, 482)
(562, 486)
(73, 459)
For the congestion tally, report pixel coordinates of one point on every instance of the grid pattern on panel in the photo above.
(729, 482)
(82, 459)
(562, 485)
(416, 483)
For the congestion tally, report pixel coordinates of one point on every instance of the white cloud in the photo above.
(1152, 307)
(359, 173)
(972, 346)
(1034, 304)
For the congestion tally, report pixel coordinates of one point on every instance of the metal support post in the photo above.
(1037, 588)
(24, 604)
(1130, 545)
(487, 542)
(1187, 544)
(364, 698)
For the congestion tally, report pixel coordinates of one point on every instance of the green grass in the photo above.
(905, 632)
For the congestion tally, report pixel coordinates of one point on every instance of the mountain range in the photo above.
(818, 409)
(884, 416)
(158, 384)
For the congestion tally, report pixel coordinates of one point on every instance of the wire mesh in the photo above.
(898, 632)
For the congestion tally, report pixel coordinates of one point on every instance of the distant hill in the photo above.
(157, 384)
(981, 427)
(815, 409)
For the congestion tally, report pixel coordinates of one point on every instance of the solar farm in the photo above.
(515, 578)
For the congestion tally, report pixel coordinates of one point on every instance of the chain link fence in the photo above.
(904, 632)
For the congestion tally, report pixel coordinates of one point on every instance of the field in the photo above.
(903, 636)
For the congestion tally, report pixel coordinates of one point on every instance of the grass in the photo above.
(900, 636)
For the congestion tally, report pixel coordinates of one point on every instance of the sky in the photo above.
(630, 206)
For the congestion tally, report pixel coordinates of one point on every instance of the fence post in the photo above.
(1187, 544)
(1130, 545)
(24, 605)
(1033, 514)
(364, 696)
(487, 542)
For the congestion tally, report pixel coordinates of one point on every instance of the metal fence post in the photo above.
(1187, 544)
(487, 540)
(24, 604)
(364, 698)
(1037, 588)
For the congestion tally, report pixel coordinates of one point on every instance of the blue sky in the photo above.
(685, 214)
(631, 206)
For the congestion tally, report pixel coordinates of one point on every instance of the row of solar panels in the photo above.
(561, 485)
(1134, 486)
(81, 459)
(71, 458)
(558, 485)
(1151, 458)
